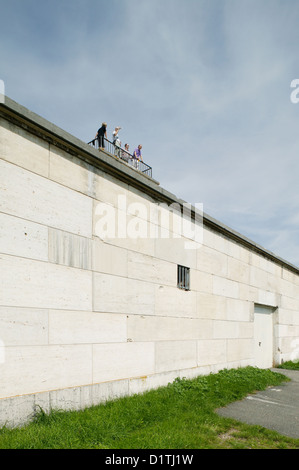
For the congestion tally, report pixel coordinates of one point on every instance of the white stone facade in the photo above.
(84, 319)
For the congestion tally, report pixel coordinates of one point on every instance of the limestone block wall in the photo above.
(84, 317)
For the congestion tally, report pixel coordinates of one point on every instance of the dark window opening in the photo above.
(183, 278)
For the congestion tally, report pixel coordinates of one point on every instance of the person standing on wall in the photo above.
(101, 135)
(137, 156)
(125, 153)
(116, 141)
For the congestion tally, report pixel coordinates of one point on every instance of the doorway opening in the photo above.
(264, 339)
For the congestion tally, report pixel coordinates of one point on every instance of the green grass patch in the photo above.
(178, 416)
(291, 365)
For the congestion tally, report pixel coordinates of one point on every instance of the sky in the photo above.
(203, 85)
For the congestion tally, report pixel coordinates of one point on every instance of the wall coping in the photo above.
(28, 120)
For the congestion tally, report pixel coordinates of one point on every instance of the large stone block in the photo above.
(132, 217)
(233, 249)
(21, 148)
(271, 299)
(265, 264)
(114, 294)
(211, 352)
(167, 218)
(123, 360)
(245, 254)
(289, 289)
(201, 281)
(131, 202)
(288, 316)
(115, 226)
(258, 278)
(290, 276)
(109, 190)
(37, 199)
(62, 165)
(216, 241)
(139, 245)
(246, 330)
(150, 269)
(175, 355)
(225, 287)
(211, 306)
(239, 349)
(20, 237)
(238, 271)
(175, 250)
(212, 261)
(174, 302)
(289, 348)
(23, 326)
(290, 303)
(27, 283)
(109, 259)
(32, 369)
(69, 249)
(153, 328)
(73, 327)
(232, 329)
(225, 329)
(135, 195)
(290, 331)
(248, 293)
(238, 310)
(274, 283)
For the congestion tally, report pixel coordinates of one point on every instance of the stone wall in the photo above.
(84, 317)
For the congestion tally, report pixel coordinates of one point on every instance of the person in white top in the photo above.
(116, 141)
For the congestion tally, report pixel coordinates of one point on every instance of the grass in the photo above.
(178, 416)
(291, 365)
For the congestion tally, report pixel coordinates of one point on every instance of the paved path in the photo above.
(276, 408)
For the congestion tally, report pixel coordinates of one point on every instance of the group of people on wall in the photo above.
(119, 152)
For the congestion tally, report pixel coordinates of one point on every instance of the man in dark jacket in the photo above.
(101, 135)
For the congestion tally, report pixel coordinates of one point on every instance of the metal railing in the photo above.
(123, 155)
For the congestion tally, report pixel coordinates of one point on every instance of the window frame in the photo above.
(183, 278)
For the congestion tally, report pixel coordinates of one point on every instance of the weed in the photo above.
(292, 365)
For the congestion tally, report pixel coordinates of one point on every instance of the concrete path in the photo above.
(276, 408)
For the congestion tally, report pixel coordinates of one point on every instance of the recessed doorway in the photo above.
(263, 336)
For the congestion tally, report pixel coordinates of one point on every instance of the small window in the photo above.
(183, 278)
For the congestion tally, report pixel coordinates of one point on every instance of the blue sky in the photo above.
(203, 85)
